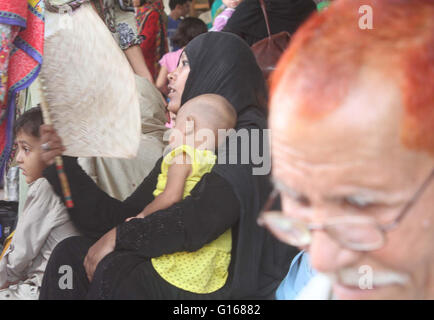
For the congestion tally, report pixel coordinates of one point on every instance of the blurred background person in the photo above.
(178, 10)
(151, 24)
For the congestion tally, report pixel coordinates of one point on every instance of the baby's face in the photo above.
(231, 3)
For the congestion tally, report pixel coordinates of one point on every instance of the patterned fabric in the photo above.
(204, 270)
(7, 36)
(26, 20)
(216, 8)
(151, 25)
(122, 24)
(221, 20)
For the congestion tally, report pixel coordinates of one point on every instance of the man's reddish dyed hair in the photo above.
(328, 51)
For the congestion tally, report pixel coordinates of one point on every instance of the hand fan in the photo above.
(89, 90)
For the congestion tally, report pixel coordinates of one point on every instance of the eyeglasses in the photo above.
(359, 233)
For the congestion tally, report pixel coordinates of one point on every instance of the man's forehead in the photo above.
(364, 133)
(372, 107)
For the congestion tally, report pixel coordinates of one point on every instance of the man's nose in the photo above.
(328, 255)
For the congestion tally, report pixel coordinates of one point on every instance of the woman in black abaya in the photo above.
(230, 196)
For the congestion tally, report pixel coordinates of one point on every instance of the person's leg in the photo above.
(144, 283)
(65, 277)
(111, 273)
(127, 276)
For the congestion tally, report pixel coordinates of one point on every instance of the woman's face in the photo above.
(177, 81)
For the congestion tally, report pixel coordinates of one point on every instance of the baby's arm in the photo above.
(174, 190)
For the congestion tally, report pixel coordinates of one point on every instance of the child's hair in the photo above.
(29, 122)
(174, 3)
(188, 29)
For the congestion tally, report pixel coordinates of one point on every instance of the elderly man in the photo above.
(352, 114)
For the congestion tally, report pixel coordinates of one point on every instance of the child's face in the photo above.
(29, 156)
(231, 3)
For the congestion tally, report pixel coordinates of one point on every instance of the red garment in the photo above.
(150, 24)
(27, 18)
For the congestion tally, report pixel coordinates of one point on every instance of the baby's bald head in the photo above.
(209, 111)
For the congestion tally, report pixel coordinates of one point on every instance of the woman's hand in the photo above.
(51, 144)
(98, 251)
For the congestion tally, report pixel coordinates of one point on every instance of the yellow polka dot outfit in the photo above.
(204, 270)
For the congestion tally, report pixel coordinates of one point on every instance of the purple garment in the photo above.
(221, 20)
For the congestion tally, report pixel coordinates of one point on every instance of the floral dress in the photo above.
(121, 23)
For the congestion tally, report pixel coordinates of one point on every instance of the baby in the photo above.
(44, 221)
(193, 141)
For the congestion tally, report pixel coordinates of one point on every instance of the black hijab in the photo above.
(222, 63)
(284, 15)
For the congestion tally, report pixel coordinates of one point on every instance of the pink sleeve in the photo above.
(171, 60)
(163, 61)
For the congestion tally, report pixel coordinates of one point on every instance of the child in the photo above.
(43, 223)
(221, 20)
(181, 169)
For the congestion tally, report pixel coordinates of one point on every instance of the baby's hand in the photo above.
(139, 216)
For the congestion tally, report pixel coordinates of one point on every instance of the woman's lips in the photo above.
(171, 91)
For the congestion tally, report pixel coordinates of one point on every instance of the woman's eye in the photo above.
(184, 63)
